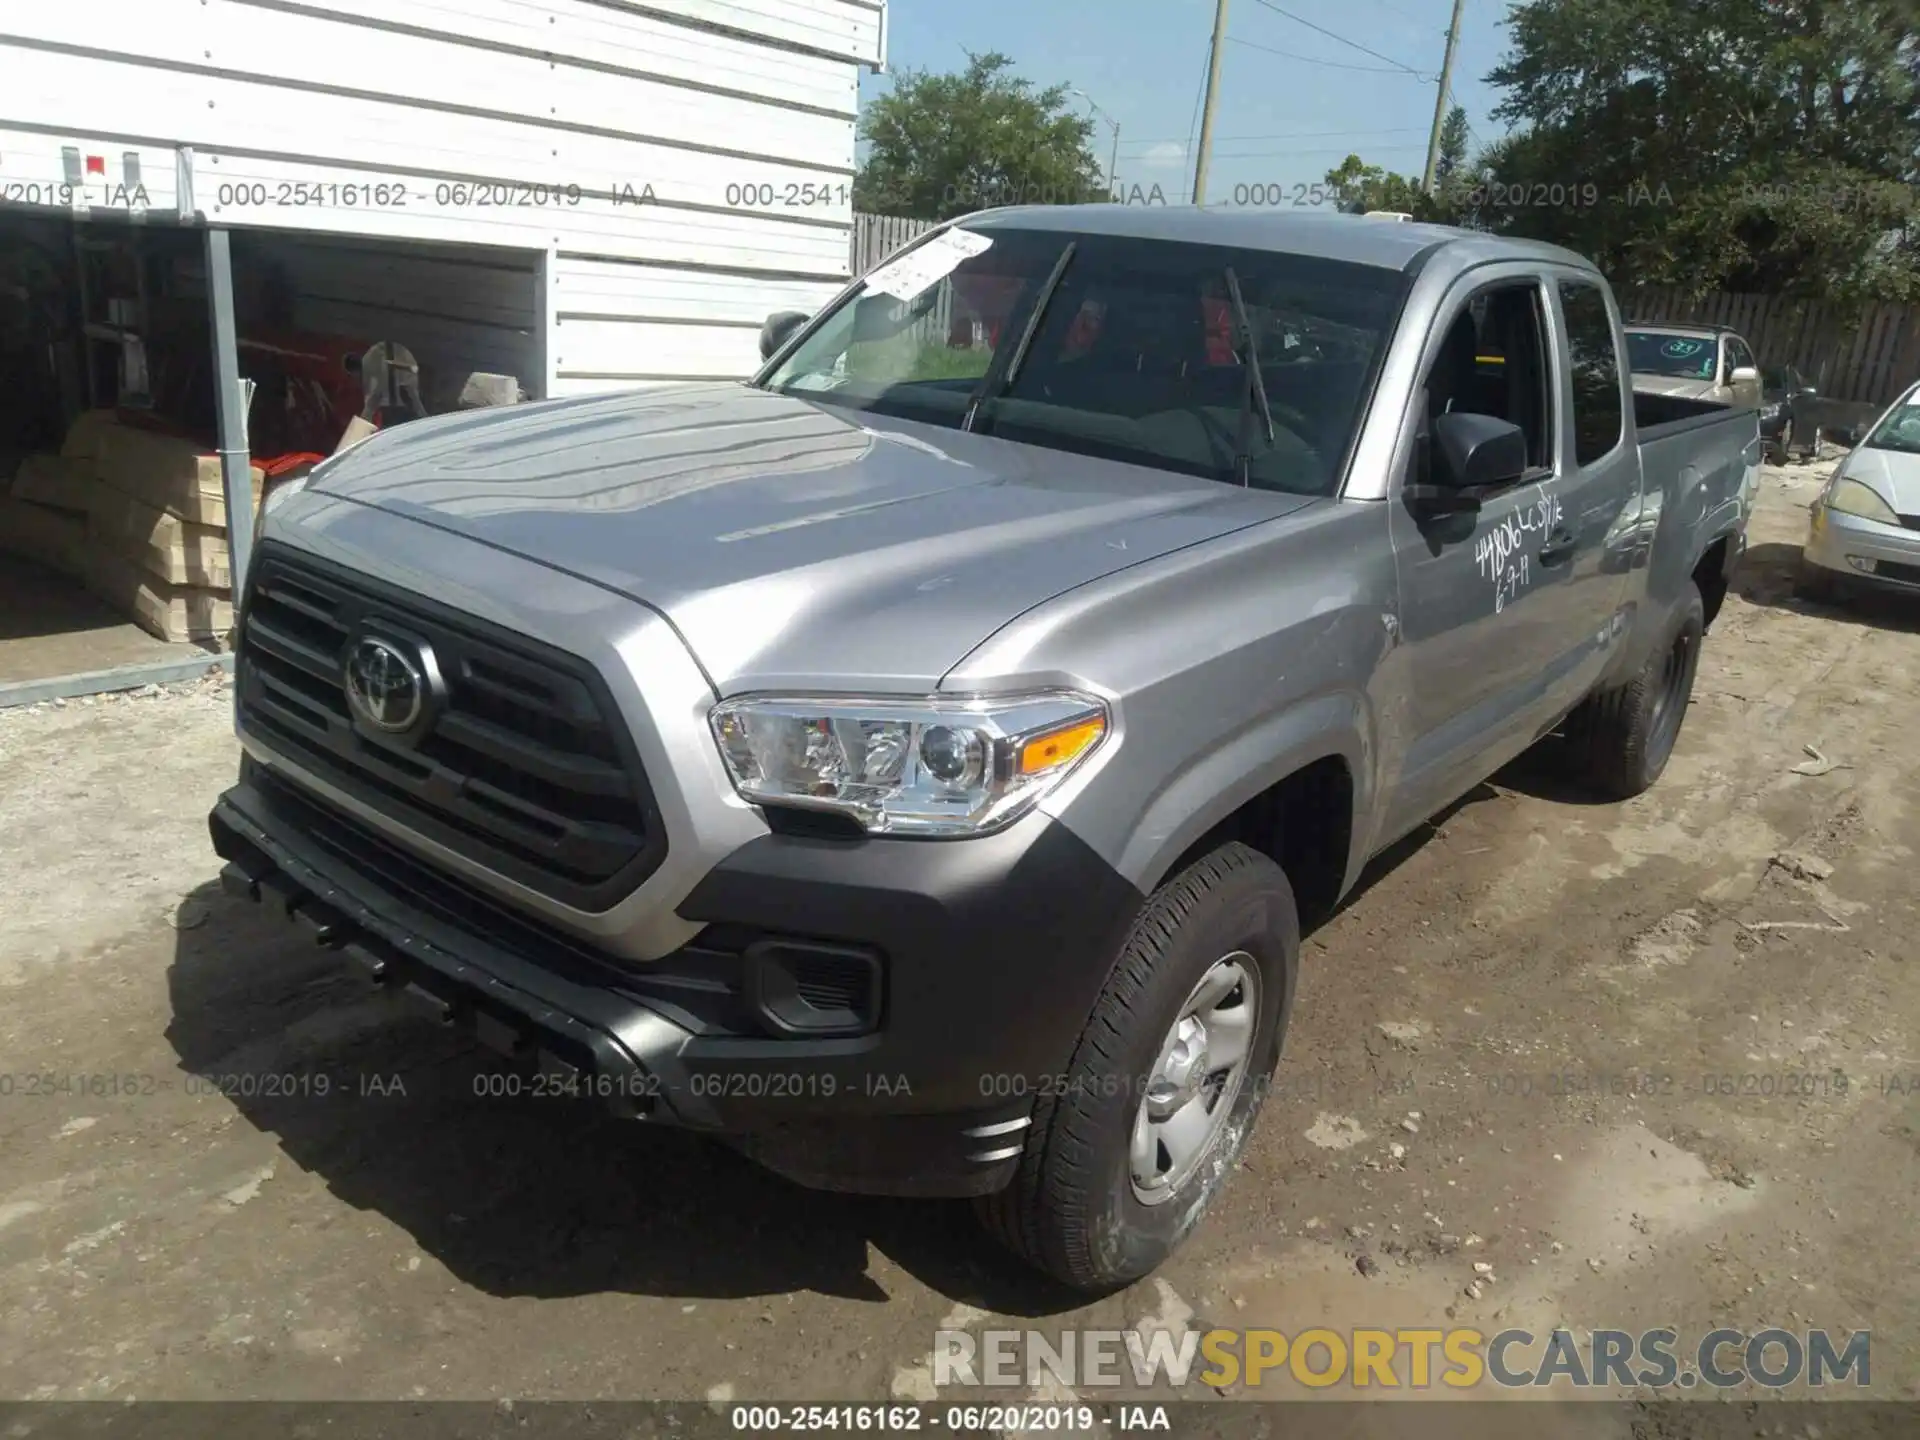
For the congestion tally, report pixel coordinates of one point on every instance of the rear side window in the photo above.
(1597, 418)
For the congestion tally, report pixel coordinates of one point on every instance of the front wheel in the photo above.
(1127, 1151)
(1625, 736)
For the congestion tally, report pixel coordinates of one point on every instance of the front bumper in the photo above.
(987, 956)
(1864, 551)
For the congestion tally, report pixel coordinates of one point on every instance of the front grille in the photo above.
(524, 767)
(1898, 573)
(1912, 522)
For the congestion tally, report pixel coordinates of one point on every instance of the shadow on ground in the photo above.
(1766, 578)
(522, 1196)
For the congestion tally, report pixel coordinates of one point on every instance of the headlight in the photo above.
(1850, 497)
(1769, 412)
(930, 767)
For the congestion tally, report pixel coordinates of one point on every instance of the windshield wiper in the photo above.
(999, 378)
(1256, 387)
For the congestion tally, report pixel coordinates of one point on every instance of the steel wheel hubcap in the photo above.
(1196, 1078)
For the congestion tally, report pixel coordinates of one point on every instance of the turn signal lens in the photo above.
(1044, 752)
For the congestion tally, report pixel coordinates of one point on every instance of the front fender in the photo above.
(1213, 785)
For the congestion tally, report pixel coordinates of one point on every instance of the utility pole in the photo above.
(1213, 93)
(1440, 100)
(1113, 163)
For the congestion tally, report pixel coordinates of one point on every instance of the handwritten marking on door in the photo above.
(1498, 553)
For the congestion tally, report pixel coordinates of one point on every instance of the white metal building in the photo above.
(585, 194)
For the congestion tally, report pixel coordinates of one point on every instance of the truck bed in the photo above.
(1697, 462)
(1659, 414)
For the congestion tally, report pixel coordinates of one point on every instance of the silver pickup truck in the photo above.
(914, 766)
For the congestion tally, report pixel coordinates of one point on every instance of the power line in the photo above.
(1285, 135)
(1320, 150)
(1198, 95)
(1328, 64)
(1351, 44)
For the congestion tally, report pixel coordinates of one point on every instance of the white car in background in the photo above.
(1694, 362)
(1866, 521)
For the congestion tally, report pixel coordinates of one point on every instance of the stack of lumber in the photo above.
(44, 514)
(152, 511)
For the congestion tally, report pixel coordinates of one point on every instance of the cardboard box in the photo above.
(54, 480)
(172, 612)
(357, 430)
(166, 473)
(164, 545)
(53, 537)
(83, 436)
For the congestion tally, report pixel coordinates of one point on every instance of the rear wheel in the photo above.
(1127, 1151)
(1624, 737)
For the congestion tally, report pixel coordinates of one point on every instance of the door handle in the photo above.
(1559, 546)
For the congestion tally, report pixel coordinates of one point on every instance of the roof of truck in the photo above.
(1367, 240)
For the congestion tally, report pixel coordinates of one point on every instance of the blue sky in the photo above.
(1283, 119)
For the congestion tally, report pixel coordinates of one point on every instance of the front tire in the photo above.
(1129, 1149)
(1624, 737)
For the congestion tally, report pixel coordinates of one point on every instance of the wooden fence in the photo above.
(877, 236)
(1866, 358)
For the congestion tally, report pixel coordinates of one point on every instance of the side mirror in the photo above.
(1476, 452)
(1742, 374)
(778, 330)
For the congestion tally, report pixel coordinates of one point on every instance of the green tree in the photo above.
(1361, 187)
(1453, 145)
(1716, 144)
(944, 145)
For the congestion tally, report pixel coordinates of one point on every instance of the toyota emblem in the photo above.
(386, 687)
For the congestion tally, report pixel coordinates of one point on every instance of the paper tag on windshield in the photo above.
(926, 266)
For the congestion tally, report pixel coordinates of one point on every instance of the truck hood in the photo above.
(791, 543)
(1668, 385)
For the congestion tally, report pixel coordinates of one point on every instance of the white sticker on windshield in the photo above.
(920, 269)
(816, 380)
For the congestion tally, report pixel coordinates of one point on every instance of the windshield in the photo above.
(1899, 428)
(1676, 357)
(1137, 356)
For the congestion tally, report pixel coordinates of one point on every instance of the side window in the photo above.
(1494, 361)
(1742, 356)
(1597, 416)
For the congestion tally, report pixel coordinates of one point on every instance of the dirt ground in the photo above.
(1510, 1049)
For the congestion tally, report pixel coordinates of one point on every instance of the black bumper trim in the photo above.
(996, 949)
(462, 980)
